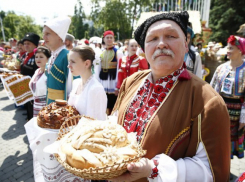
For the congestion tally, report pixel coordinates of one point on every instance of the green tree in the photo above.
(17, 26)
(10, 22)
(225, 18)
(117, 15)
(26, 24)
(78, 28)
(113, 17)
(135, 8)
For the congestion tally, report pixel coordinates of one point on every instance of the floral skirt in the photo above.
(237, 137)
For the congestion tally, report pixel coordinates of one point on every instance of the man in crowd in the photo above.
(28, 66)
(178, 118)
(69, 41)
(20, 55)
(13, 42)
(54, 33)
(30, 42)
(22, 51)
(108, 73)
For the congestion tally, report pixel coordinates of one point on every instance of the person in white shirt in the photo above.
(88, 95)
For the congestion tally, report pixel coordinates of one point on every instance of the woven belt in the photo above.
(55, 94)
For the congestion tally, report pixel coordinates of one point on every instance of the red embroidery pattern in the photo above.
(147, 100)
(241, 178)
(154, 173)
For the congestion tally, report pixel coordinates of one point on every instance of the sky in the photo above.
(42, 10)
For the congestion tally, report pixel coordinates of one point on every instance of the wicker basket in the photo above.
(100, 173)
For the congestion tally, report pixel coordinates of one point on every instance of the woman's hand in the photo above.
(136, 171)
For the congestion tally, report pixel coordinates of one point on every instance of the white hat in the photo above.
(211, 44)
(217, 45)
(59, 25)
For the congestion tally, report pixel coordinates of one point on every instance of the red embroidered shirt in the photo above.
(147, 100)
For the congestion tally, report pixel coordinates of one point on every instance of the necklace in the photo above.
(83, 85)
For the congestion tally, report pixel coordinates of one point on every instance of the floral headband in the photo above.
(237, 41)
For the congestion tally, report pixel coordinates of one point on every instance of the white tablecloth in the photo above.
(46, 167)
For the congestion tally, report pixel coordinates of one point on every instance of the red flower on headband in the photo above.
(232, 40)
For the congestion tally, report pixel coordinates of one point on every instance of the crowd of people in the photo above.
(153, 86)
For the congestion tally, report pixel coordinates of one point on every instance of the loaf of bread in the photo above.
(97, 144)
(53, 115)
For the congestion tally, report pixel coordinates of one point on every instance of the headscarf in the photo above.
(237, 41)
(108, 32)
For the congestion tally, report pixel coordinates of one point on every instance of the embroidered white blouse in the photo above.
(92, 101)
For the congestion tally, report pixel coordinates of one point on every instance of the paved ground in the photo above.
(16, 156)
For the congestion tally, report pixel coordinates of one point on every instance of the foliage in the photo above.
(225, 18)
(117, 15)
(78, 28)
(17, 26)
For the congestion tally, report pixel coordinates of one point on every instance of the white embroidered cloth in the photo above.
(17, 88)
(46, 167)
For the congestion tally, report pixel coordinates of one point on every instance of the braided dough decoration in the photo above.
(53, 115)
(97, 144)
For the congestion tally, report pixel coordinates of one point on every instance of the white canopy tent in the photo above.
(96, 39)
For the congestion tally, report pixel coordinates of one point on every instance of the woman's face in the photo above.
(76, 65)
(132, 47)
(233, 52)
(41, 60)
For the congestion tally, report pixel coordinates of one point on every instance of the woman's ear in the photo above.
(88, 63)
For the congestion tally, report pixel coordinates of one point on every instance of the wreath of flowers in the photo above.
(233, 40)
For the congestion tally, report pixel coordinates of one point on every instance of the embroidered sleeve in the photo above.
(213, 81)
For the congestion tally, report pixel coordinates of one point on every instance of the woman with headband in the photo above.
(229, 82)
(38, 83)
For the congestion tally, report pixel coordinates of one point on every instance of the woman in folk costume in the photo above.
(229, 80)
(178, 118)
(88, 95)
(38, 83)
(192, 58)
(130, 64)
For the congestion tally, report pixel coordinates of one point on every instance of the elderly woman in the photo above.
(38, 83)
(131, 63)
(228, 81)
(87, 95)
